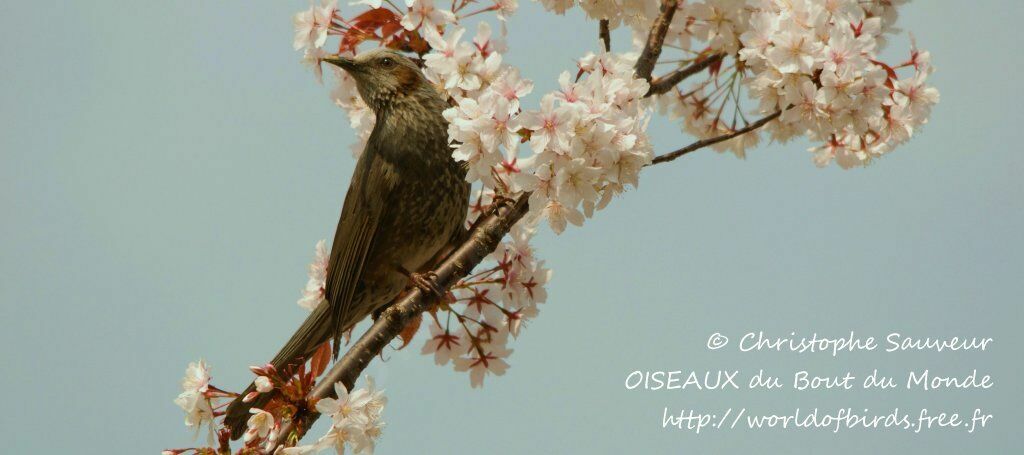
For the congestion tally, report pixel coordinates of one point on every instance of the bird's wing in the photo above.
(361, 214)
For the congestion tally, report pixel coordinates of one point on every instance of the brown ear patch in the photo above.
(406, 77)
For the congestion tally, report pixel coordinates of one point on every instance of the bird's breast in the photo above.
(426, 207)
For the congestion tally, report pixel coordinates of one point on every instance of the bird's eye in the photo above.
(387, 62)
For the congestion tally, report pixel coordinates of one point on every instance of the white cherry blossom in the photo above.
(422, 13)
(444, 344)
(314, 292)
(491, 361)
(259, 425)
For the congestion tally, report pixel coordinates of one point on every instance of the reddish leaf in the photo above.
(416, 43)
(350, 40)
(410, 331)
(378, 16)
(300, 378)
(389, 29)
(322, 357)
(364, 27)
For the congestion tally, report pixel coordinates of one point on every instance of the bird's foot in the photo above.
(427, 282)
(499, 201)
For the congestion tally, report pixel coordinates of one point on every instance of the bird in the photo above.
(406, 205)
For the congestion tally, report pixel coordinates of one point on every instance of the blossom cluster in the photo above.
(817, 61)
(820, 60)
(484, 123)
(197, 398)
(355, 421)
(588, 138)
(483, 311)
(355, 415)
(633, 13)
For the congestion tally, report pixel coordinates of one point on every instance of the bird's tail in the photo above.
(313, 332)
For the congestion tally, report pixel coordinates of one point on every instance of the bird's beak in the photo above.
(346, 64)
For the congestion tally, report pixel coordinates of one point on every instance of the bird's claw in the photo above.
(499, 200)
(426, 282)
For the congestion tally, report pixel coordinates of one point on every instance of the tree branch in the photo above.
(655, 40)
(483, 240)
(665, 83)
(714, 140)
(606, 35)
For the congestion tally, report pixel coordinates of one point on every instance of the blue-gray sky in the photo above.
(166, 168)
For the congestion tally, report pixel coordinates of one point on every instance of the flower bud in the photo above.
(263, 384)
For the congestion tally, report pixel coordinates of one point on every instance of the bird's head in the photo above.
(385, 77)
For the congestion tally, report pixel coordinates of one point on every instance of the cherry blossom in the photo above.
(816, 61)
(591, 144)
(794, 51)
(558, 6)
(263, 384)
(550, 125)
(355, 420)
(913, 93)
(361, 117)
(312, 25)
(487, 44)
(718, 22)
(443, 344)
(447, 51)
(195, 398)
(512, 87)
(259, 425)
(314, 292)
(482, 361)
(422, 13)
(198, 411)
(197, 377)
(312, 59)
(307, 34)
(506, 8)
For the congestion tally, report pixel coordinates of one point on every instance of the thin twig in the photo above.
(655, 40)
(714, 140)
(665, 83)
(606, 35)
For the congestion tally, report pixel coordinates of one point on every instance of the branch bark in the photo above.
(655, 40)
(665, 83)
(483, 240)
